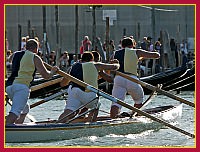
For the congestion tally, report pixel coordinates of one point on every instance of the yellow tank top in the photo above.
(26, 69)
(90, 74)
(130, 61)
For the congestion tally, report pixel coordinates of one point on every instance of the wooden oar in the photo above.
(49, 98)
(118, 101)
(75, 111)
(45, 84)
(151, 87)
(148, 100)
(150, 97)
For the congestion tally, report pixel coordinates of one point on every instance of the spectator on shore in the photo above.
(64, 61)
(52, 58)
(8, 59)
(74, 60)
(144, 43)
(23, 43)
(86, 45)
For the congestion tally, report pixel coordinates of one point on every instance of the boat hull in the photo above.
(50, 131)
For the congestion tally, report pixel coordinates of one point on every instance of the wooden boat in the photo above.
(165, 76)
(154, 119)
(186, 82)
(48, 131)
(180, 78)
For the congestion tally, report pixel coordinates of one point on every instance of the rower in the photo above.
(24, 65)
(86, 71)
(128, 58)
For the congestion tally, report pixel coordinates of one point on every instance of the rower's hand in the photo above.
(54, 69)
(114, 61)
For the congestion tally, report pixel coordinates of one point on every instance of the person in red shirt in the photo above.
(86, 45)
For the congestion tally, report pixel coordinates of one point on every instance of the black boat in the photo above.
(180, 78)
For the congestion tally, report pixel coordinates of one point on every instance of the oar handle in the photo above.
(151, 87)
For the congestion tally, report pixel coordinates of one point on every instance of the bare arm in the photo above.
(106, 76)
(10, 57)
(105, 66)
(64, 82)
(42, 69)
(147, 54)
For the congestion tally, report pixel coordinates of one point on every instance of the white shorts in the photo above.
(77, 98)
(122, 86)
(19, 94)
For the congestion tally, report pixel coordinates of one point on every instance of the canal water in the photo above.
(165, 137)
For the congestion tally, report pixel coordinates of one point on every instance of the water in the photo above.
(165, 137)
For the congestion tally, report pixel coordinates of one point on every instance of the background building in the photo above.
(66, 25)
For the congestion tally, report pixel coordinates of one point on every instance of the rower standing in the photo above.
(24, 65)
(128, 59)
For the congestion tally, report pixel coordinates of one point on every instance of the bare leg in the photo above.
(62, 118)
(83, 110)
(21, 119)
(138, 105)
(93, 115)
(114, 111)
(11, 118)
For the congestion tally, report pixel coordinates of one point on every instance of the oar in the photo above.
(118, 101)
(49, 98)
(148, 100)
(75, 111)
(45, 84)
(150, 97)
(151, 87)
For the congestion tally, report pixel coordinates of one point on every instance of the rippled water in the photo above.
(164, 137)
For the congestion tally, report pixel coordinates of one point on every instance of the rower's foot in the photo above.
(115, 110)
(138, 105)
